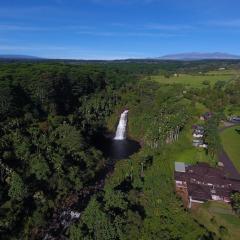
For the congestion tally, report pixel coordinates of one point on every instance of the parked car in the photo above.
(197, 135)
(203, 145)
(200, 141)
(234, 119)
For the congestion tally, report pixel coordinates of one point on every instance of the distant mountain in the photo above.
(10, 56)
(199, 56)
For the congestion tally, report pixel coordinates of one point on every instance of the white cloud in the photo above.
(22, 27)
(125, 1)
(73, 52)
(168, 27)
(127, 34)
(13, 12)
(234, 23)
(10, 27)
(30, 47)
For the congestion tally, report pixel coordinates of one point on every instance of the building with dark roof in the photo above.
(206, 116)
(203, 183)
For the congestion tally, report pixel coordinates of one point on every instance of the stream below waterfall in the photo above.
(114, 147)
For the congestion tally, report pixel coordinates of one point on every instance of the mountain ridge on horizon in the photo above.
(177, 56)
(199, 56)
(18, 56)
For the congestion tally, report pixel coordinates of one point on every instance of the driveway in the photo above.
(229, 167)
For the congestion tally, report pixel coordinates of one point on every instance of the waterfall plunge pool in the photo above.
(119, 146)
(117, 150)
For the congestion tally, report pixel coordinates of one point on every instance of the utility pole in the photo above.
(142, 173)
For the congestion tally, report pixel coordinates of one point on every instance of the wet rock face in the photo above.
(69, 216)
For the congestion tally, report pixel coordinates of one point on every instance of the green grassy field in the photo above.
(225, 72)
(231, 143)
(186, 153)
(218, 218)
(192, 155)
(196, 80)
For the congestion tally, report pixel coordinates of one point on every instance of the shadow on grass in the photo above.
(237, 130)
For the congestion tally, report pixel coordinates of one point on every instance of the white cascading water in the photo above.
(122, 126)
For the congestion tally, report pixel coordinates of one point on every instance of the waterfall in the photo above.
(122, 125)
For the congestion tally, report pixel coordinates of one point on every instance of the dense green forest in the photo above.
(51, 112)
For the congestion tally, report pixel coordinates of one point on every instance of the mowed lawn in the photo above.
(193, 80)
(186, 153)
(218, 218)
(192, 155)
(231, 143)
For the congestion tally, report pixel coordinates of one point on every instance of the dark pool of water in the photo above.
(117, 149)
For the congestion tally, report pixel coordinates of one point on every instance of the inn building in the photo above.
(200, 183)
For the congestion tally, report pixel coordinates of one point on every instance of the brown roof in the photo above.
(235, 185)
(204, 181)
(180, 176)
(199, 192)
(223, 192)
(204, 173)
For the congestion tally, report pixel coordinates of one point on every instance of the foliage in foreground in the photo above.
(50, 114)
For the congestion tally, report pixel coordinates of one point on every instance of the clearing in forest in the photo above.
(196, 80)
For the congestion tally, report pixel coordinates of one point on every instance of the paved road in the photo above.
(229, 168)
(228, 125)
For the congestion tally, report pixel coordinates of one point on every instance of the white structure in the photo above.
(193, 201)
(198, 135)
(203, 146)
(122, 126)
(180, 167)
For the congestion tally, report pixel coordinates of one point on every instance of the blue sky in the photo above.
(111, 29)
